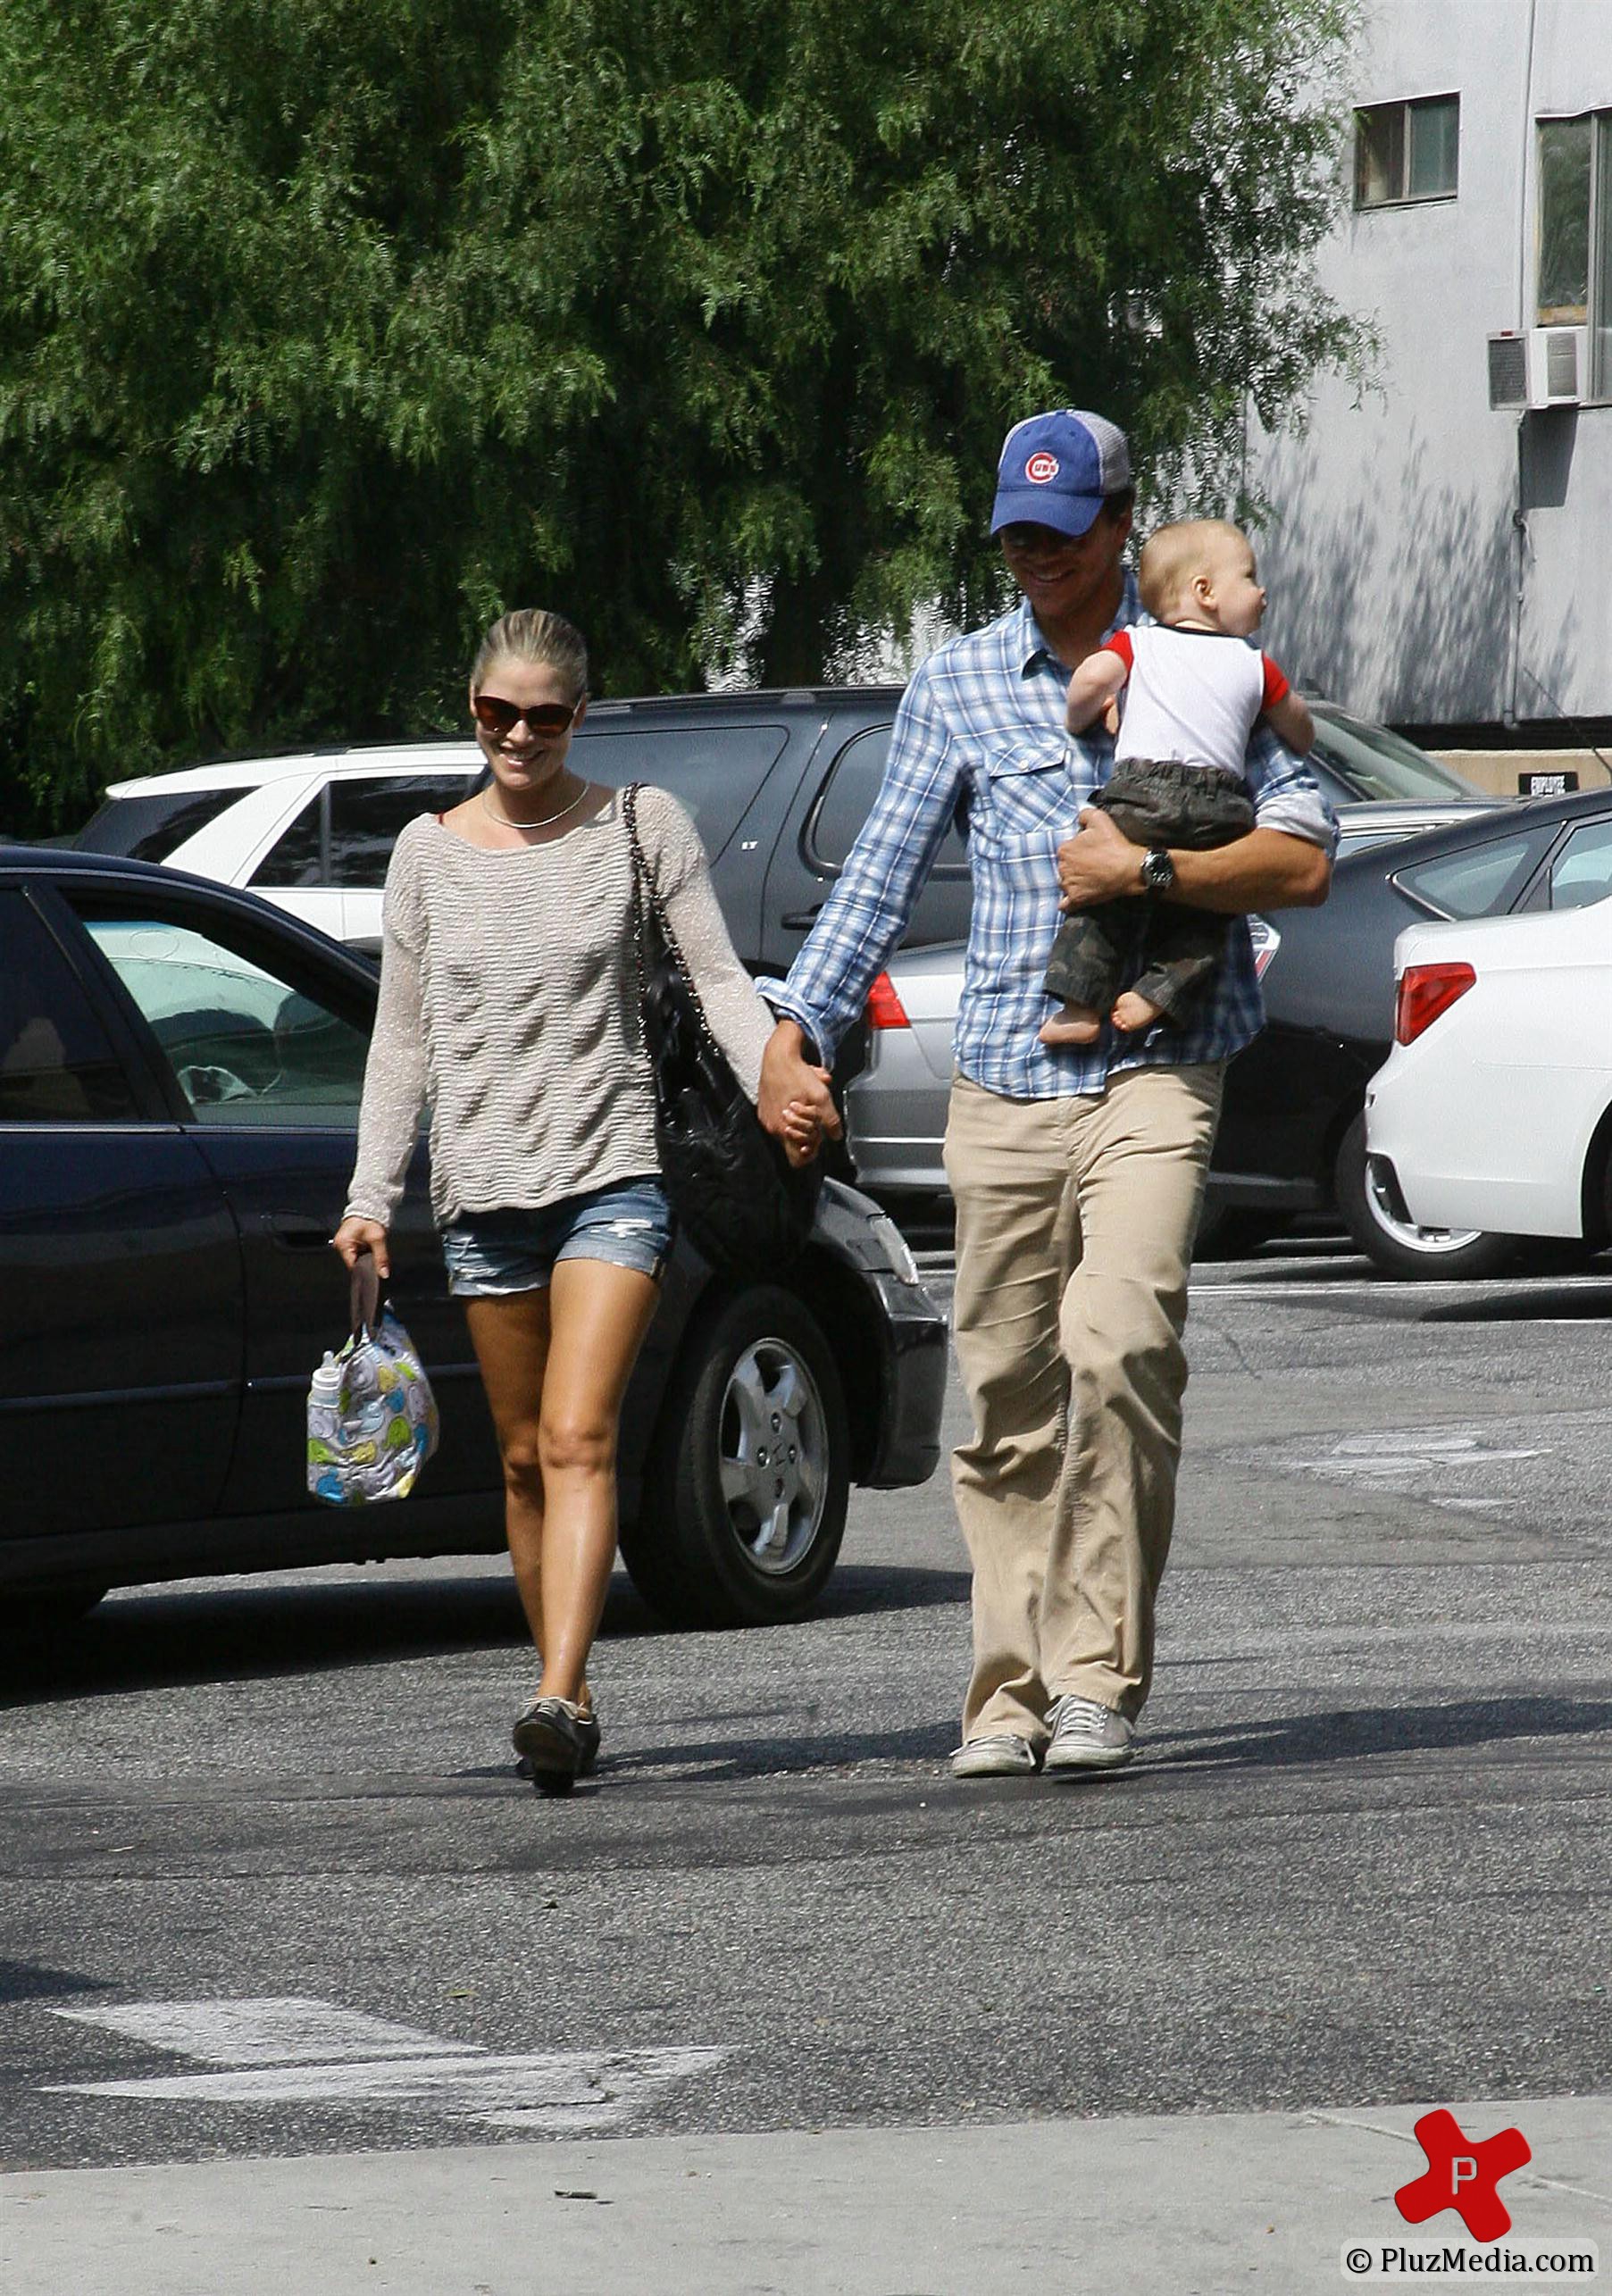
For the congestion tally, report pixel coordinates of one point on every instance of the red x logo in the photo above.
(1462, 2175)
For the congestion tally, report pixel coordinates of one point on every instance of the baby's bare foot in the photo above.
(1072, 1024)
(1132, 1012)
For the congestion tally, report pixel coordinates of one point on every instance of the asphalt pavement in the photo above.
(299, 1975)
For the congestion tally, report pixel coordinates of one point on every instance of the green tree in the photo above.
(331, 327)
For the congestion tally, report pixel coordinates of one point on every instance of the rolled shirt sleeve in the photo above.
(1286, 794)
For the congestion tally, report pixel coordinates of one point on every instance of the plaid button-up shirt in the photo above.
(980, 737)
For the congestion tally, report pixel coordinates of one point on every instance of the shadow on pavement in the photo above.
(32, 1981)
(1585, 1302)
(1345, 1736)
(254, 1633)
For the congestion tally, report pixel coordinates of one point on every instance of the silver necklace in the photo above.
(544, 821)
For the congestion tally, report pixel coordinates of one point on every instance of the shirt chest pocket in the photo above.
(1029, 800)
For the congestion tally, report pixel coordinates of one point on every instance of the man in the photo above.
(1077, 1170)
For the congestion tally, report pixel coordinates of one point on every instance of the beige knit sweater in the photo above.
(509, 1002)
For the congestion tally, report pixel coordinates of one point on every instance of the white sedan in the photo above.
(1492, 1115)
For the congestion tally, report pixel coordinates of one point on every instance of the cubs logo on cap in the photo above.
(1056, 469)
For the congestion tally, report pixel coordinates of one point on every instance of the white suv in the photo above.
(311, 833)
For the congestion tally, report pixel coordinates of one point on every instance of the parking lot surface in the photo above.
(273, 1892)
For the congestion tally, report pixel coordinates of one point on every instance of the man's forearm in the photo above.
(1267, 869)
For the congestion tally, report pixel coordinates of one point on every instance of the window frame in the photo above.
(1405, 108)
(1596, 322)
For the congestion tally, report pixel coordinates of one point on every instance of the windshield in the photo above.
(151, 828)
(1377, 763)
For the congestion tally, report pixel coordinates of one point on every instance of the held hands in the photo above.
(1098, 863)
(795, 1105)
(354, 1237)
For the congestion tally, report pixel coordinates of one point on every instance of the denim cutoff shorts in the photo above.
(491, 1255)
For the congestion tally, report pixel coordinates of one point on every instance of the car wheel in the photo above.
(748, 1475)
(1369, 1199)
(1232, 1231)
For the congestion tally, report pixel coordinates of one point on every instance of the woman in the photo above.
(509, 1001)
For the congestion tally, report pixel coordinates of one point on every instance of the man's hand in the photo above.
(1099, 863)
(790, 1086)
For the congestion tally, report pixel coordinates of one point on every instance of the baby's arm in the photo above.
(1290, 721)
(1094, 685)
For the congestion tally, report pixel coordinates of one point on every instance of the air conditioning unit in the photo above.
(1543, 366)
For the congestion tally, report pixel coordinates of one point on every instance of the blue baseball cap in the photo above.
(1055, 469)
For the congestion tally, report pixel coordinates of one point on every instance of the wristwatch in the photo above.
(1157, 870)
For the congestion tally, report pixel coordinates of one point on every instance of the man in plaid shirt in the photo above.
(1077, 1170)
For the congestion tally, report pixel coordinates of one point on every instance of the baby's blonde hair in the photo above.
(1172, 555)
(531, 633)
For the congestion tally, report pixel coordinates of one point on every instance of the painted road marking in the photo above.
(1396, 1458)
(286, 2050)
(281, 2030)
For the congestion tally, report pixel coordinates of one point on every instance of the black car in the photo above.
(1293, 1136)
(180, 1069)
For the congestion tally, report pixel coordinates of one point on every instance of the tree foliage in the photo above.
(331, 327)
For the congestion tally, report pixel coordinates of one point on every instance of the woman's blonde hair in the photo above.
(532, 634)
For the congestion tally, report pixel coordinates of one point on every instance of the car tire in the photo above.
(1232, 1231)
(1369, 1200)
(732, 1531)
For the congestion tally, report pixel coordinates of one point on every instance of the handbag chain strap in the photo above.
(647, 895)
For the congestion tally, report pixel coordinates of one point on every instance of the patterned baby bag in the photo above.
(372, 1415)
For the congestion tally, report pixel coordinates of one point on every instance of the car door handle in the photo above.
(800, 919)
(294, 1232)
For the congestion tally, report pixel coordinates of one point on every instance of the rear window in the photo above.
(149, 828)
(367, 818)
(345, 835)
(1480, 881)
(717, 770)
(846, 800)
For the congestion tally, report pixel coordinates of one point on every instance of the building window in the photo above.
(1406, 151)
(1575, 266)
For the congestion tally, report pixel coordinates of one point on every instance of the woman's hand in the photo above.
(354, 1237)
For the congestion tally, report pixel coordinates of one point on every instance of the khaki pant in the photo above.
(1075, 1220)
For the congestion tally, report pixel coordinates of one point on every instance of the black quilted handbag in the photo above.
(743, 1206)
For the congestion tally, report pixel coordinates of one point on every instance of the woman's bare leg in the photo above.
(511, 1337)
(598, 1314)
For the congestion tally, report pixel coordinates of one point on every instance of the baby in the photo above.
(1192, 691)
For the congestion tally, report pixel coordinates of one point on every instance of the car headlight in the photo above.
(894, 1245)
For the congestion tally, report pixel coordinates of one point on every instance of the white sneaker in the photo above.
(1004, 1755)
(1087, 1735)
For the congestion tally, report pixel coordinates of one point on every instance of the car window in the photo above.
(367, 817)
(1371, 762)
(149, 828)
(847, 798)
(1479, 880)
(297, 855)
(1582, 873)
(247, 1045)
(715, 770)
(56, 1065)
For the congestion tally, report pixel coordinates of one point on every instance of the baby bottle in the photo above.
(324, 1400)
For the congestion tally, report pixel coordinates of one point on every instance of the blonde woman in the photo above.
(509, 1002)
